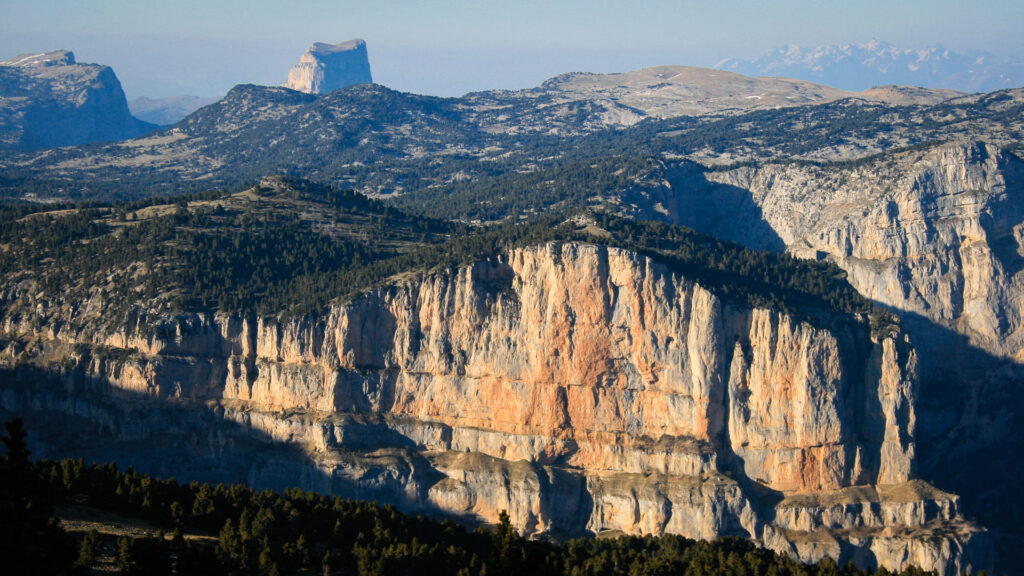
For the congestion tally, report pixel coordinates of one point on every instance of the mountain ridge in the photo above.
(256, 130)
(860, 66)
(169, 110)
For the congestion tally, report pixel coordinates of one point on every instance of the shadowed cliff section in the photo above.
(1002, 223)
(186, 439)
(683, 195)
(970, 410)
(200, 440)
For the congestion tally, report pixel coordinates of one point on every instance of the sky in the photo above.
(164, 48)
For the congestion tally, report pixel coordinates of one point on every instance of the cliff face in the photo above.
(936, 233)
(582, 388)
(49, 100)
(327, 67)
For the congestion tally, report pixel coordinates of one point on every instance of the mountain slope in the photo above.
(253, 131)
(384, 142)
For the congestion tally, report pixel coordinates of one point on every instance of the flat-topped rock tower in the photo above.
(327, 67)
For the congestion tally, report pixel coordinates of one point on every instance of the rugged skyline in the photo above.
(864, 65)
(204, 49)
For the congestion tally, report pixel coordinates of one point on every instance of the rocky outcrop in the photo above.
(327, 67)
(581, 388)
(49, 100)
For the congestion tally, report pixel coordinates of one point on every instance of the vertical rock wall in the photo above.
(327, 67)
(581, 388)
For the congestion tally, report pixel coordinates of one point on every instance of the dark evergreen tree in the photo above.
(31, 540)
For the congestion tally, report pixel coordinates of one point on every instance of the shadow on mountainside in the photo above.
(969, 410)
(69, 414)
(1006, 213)
(688, 198)
(72, 415)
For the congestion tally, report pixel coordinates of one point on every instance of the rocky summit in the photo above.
(327, 67)
(49, 100)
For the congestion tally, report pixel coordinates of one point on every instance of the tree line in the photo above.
(298, 532)
(272, 258)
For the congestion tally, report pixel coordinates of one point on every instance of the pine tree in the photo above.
(31, 541)
(89, 550)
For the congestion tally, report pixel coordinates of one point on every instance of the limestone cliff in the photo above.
(581, 388)
(936, 232)
(49, 100)
(327, 67)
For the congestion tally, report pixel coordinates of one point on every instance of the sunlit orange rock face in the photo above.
(591, 357)
(580, 388)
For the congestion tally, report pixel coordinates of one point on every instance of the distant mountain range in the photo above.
(167, 111)
(861, 66)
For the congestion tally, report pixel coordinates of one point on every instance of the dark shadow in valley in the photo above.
(721, 210)
(1006, 212)
(763, 498)
(970, 406)
(72, 415)
(565, 501)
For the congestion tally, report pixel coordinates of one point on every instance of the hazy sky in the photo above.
(204, 47)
